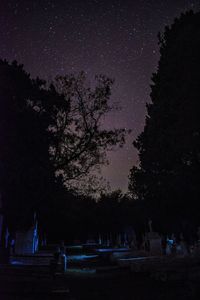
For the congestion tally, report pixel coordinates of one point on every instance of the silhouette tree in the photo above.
(169, 147)
(79, 141)
(25, 171)
(47, 131)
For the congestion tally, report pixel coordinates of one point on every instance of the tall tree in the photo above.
(49, 134)
(169, 146)
(26, 174)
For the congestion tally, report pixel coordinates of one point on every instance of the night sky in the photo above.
(117, 38)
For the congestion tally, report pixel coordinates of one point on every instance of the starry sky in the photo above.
(117, 38)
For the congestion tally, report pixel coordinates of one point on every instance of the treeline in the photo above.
(78, 218)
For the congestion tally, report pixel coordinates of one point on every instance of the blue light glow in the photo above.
(107, 250)
(81, 257)
(81, 271)
(15, 262)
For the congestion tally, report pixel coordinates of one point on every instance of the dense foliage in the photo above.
(25, 172)
(49, 136)
(167, 178)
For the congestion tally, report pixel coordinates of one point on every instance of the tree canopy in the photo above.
(49, 135)
(169, 147)
(26, 174)
(79, 141)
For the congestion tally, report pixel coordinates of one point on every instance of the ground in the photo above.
(28, 283)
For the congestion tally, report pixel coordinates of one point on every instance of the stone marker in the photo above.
(27, 241)
(1, 221)
(154, 243)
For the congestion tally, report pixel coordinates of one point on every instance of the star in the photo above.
(116, 38)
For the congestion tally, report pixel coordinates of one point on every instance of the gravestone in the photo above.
(131, 237)
(1, 221)
(119, 240)
(184, 249)
(90, 242)
(155, 243)
(27, 241)
(100, 240)
(124, 239)
(169, 245)
(108, 242)
(63, 262)
(7, 237)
